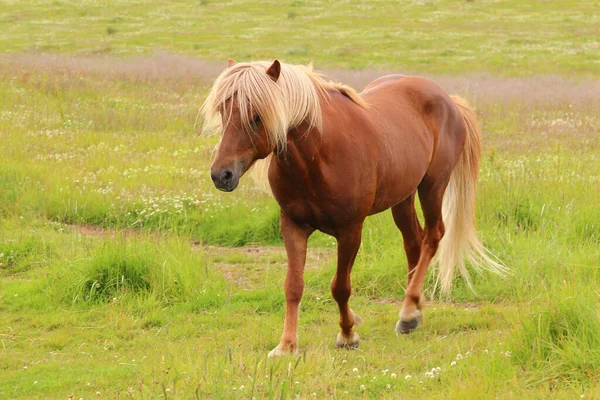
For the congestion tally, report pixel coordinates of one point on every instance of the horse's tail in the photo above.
(460, 241)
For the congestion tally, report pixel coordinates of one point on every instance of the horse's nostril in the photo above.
(227, 175)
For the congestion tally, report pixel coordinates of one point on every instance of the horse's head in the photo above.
(246, 102)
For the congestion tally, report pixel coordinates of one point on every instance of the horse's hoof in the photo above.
(344, 342)
(407, 325)
(279, 351)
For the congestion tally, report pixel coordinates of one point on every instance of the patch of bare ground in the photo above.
(481, 87)
(248, 267)
(158, 68)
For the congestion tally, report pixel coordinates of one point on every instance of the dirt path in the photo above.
(167, 67)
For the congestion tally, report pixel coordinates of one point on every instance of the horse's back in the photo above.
(407, 104)
(387, 79)
(421, 93)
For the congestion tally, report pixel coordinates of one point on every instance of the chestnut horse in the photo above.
(335, 157)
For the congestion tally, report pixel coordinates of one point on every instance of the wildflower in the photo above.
(453, 363)
(408, 377)
(362, 387)
(393, 375)
(355, 369)
(388, 386)
(385, 371)
(433, 373)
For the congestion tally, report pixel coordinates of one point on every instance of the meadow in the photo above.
(124, 273)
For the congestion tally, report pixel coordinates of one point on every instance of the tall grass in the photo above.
(131, 271)
(559, 340)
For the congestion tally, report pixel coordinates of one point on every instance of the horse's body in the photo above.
(367, 160)
(366, 154)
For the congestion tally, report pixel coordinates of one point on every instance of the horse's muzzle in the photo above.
(225, 179)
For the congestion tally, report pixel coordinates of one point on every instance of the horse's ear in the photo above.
(274, 70)
(231, 62)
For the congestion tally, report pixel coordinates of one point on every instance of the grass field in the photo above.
(124, 273)
(507, 37)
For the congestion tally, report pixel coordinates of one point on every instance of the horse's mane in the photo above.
(281, 105)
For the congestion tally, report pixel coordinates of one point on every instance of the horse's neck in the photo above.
(305, 147)
(302, 153)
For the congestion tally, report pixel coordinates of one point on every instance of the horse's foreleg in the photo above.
(295, 238)
(348, 245)
(411, 316)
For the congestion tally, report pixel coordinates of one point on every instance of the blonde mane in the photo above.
(281, 105)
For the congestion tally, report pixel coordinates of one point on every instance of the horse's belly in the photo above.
(390, 198)
(397, 184)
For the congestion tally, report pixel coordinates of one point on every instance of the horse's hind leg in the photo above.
(405, 217)
(348, 245)
(431, 196)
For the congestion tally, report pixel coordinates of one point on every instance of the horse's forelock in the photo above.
(294, 98)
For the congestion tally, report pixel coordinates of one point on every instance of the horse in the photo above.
(335, 156)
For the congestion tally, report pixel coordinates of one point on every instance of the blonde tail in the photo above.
(460, 241)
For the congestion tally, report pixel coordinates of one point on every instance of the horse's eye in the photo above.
(254, 123)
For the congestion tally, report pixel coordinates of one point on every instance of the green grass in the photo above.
(513, 37)
(185, 331)
(114, 278)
